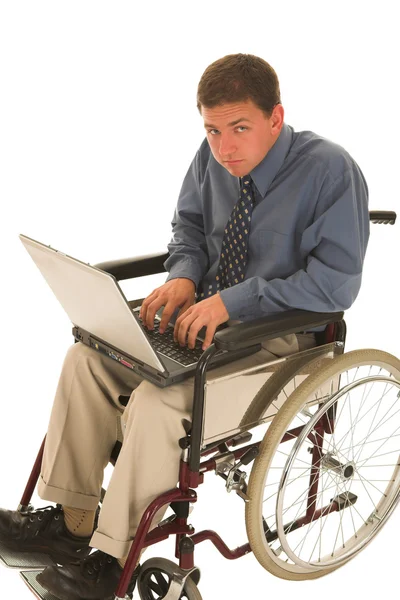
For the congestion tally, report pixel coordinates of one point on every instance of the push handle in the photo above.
(382, 217)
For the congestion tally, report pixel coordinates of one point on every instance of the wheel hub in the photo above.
(345, 470)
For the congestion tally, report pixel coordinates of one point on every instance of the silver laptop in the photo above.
(104, 320)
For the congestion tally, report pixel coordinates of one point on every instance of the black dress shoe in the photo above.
(42, 530)
(95, 578)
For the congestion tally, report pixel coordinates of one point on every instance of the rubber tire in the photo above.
(192, 589)
(274, 434)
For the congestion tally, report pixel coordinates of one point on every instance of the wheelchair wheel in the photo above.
(328, 473)
(155, 579)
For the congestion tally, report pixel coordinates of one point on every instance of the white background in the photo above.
(98, 127)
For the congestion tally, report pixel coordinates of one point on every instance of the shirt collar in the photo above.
(265, 172)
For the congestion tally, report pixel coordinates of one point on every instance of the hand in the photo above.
(175, 293)
(210, 312)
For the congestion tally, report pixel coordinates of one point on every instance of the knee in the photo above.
(160, 412)
(150, 422)
(144, 404)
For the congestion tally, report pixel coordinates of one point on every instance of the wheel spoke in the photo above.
(377, 456)
(376, 480)
(287, 456)
(352, 519)
(362, 479)
(370, 427)
(305, 492)
(313, 523)
(374, 455)
(341, 529)
(362, 482)
(330, 443)
(363, 416)
(327, 516)
(320, 493)
(363, 400)
(305, 474)
(376, 466)
(352, 431)
(371, 442)
(380, 424)
(300, 502)
(160, 586)
(337, 419)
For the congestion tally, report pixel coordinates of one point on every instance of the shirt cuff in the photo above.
(187, 269)
(238, 301)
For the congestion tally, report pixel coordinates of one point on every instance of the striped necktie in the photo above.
(234, 250)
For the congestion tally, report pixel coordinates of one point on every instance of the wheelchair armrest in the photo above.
(382, 217)
(129, 268)
(256, 331)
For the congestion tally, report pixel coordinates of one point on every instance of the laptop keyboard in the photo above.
(164, 344)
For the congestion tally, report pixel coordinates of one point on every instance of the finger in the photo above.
(167, 314)
(178, 323)
(152, 309)
(145, 304)
(183, 328)
(193, 332)
(184, 308)
(209, 335)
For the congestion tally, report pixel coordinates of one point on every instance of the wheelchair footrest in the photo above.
(23, 560)
(29, 578)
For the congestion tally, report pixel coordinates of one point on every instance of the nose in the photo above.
(227, 146)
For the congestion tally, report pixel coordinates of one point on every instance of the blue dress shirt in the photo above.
(309, 229)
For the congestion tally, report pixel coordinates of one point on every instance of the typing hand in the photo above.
(176, 293)
(208, 313)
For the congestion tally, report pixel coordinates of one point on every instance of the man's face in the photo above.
(240, 134)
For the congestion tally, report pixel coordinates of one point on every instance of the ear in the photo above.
(277, 118)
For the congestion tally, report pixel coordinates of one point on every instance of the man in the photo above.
(268, 219)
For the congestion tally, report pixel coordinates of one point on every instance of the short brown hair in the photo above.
(237, 78)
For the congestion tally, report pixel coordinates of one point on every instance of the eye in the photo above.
(215, 131)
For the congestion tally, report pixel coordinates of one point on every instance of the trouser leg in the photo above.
(83, 427)
(148, 464)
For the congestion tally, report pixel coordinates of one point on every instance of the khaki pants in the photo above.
(83, 430)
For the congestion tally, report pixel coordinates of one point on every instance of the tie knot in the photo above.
(245, 181)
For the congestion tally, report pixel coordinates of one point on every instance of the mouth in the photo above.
(232, 162)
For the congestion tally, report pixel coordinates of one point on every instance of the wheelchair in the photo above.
(319, 484)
